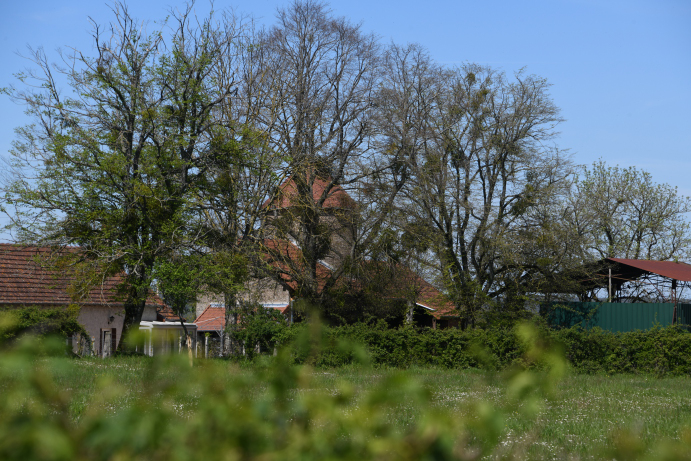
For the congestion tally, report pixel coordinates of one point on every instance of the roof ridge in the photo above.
(210, 306)
(203, 312)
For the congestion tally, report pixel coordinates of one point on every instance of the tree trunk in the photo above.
(133, 315)
(231, 320)
(134, 306)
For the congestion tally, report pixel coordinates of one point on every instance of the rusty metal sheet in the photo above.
(670, 269)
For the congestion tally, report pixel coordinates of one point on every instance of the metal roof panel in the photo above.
(670, 269)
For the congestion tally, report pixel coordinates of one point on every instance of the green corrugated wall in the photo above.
(684, 315)
(617, 316)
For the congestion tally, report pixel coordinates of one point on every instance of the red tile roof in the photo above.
(429, 296)
(283, 309)
(25, 280)
(166, 314)
(288, 195)
(212, 319)
(287, 258)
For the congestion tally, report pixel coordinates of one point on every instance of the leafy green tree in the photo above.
(257, 328)
(115, 163)
(625, 214)
(230, 211)
(182, 277)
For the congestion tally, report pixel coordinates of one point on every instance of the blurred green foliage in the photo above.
(40, 321)
(258, 328)
(274, 412)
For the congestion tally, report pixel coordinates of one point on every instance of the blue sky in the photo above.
(621, 70)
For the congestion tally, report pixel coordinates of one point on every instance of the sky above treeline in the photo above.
(620, 70)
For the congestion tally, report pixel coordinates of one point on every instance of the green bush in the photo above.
(258, 327)
(40, 321)
(210, 411)
(274, 410)
(659, 351)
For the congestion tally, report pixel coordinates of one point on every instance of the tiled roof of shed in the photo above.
(25, 281)
(213, 318)
(166, 314)
(429, 296)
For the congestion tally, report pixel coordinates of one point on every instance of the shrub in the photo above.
(273, 410)
(212, 412)
(659, 351)
(41, 321)
(258, 327)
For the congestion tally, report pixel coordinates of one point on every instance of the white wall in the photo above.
(94, 318)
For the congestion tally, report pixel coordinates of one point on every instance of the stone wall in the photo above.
(203, 301)
(262, 291)
(265, 291)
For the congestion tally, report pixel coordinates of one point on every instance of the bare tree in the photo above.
(481, 166)
(310, 92)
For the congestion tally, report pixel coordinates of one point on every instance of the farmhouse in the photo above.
(26, 280)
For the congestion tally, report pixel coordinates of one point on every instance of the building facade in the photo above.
(27, 278)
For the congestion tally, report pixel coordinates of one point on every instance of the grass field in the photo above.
(579, 421)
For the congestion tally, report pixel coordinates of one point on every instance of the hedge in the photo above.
(659, 351)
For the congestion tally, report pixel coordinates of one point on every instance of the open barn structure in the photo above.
(627, 294)
(637, 280)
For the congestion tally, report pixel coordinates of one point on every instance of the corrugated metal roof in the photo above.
(670, 269)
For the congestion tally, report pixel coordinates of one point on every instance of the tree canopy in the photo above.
(207, 151)
(628, 215)
(115, 164)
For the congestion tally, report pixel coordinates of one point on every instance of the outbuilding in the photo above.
(626, 294)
